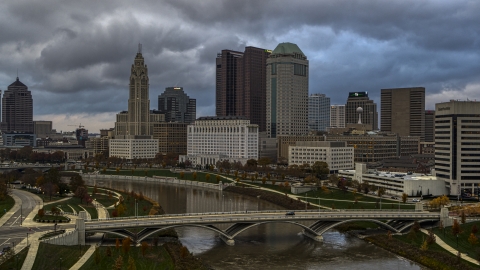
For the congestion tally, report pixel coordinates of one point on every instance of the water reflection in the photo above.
(266, 246)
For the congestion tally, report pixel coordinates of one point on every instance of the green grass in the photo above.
(16, 261)
(74, 203)
(129, 203)
(338, 199)
(44, 197)
(53, 256)
(463, 245)
(105, 200)
(6, 205)
(418, 241)
(155, 258)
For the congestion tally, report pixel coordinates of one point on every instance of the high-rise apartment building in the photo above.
(403, 111)
(241, 84)
(17, 108)
(337, 116)
(318, 112)
(457, 145)
(177, 106)
(287, 91)
(138, 120)
(429, 126)
(369, 116)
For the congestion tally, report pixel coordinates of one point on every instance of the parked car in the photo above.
(416, 200)
(291, 213)
(395, 198)
(6, 249)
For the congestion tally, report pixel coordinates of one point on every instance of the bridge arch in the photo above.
(333, 225)
(121, 233)
(251, 225)
(211, 228)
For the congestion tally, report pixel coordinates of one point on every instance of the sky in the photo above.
(75, 56)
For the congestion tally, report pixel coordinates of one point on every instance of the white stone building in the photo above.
(133, 148)
(336, 154)
(457, 145)
(397, 183)
(211, 139)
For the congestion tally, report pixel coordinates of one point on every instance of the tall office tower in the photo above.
(17, 108)
(177, 106)
(457, 148)
(403, 111)
(287, 91)
(337, 116)
(138, 120)
(369, 116)
(318, 112)
(429, 126)
(241, 84)
(42, 129)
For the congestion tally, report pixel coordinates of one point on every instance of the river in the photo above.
(268, 246)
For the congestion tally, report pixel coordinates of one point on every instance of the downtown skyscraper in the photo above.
(287, 91)
(241, 84)
(17, 108)
(318, 112)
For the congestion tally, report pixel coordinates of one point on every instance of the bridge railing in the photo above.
(235, 219)
(251, 212)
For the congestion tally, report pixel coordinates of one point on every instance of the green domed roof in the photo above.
(287, 48)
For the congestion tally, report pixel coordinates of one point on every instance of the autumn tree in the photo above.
(131, 264)
(456, 228)
(41, 213)
(472, 239)
(404, 197)
(80, 193)
(194, 176)
(217, 177)
(207, 177)
(463, 217)
(108, 252)
(118, 263)
(76, 181)
(144, 248)
(126, 245)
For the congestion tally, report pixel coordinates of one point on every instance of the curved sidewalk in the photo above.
(451, 249)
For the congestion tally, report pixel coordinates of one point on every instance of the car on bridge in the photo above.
(291, 213)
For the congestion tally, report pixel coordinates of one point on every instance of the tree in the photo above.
(80, 193)
(217, 177)
(404, 197)
(55, 211)
(207, 177)
(76, 181)
(415, 227)
(472, 239)
(431, 239)
(321, 169)
(424, 246)
(456, 228)
(41, 213)
(131, 264)
(108, 251)
(463, 217)
(118, 263)
(194, 175)
(97, 255)
(182, 174)
(126, 245)
(264, 161)
(144, 248)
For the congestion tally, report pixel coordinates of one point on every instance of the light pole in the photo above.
(27, 239)
(21, 213)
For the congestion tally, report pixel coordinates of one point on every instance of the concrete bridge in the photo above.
(320, 222)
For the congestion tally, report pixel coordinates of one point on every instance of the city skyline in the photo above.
(76, 59)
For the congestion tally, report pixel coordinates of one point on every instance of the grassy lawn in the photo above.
(6, 205)
(50, 217)
(418, 241)
(57, 257)
(144, 206)
(105, 200)
(155, 258)
(338, 199)
(44, 197)
(15, 262)
(463, 245)
(74, 203)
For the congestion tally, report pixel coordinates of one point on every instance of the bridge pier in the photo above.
(445, 218)
(314, 237)
(80, 224)
(227, 241)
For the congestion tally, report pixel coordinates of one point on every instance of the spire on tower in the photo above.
(139, 48)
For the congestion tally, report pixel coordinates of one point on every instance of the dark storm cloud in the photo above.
(76, 57)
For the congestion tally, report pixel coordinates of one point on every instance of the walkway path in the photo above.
(84, 258)
(32, 251)
(451, 249)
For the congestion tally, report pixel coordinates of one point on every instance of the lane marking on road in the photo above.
(4, 242)
(14, 221)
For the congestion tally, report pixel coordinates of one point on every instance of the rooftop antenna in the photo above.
(139, 48)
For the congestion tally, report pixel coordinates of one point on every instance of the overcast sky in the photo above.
(76, 57)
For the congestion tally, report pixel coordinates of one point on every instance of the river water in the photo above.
(268, 246)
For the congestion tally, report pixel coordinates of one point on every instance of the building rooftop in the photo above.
(232, 117)
(396, 175)
(17, 83)
(287, 48)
